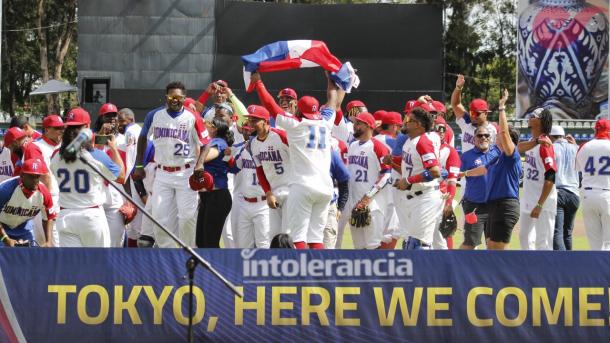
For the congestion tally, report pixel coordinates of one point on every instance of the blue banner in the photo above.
(141, 295)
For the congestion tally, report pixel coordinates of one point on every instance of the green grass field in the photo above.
(579, 239)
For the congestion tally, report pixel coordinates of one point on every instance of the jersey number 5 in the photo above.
(321, 138)
(80, 180)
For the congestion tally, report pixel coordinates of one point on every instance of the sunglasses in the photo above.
(483, 135)
(175, 97)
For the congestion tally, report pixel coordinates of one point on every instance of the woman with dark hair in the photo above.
(81, 221)
(539, 200)
(282, 241)
(214, 205)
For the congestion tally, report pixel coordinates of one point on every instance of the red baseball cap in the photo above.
(77, 117)
(392, 118)
(13, 134)
(289, 92)
(479, 105)
(34, 166)
(309, 106)
(426, 106)
(354, 103)
(439, 106)
(108, 108)
(366, 118)
(410, 105)
(379, 115)
(602, 128)
(257, 111)
(53, 120)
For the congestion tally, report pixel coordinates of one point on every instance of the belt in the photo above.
(409, 197)
(63, 208)
(173, 169)
(596, 189)
(255, 199)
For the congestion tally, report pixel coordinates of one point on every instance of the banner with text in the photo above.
(129, 295)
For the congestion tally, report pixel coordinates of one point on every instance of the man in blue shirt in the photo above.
(566, 181)
(475, 193)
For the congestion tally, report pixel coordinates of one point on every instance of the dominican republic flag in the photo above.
(295, 54)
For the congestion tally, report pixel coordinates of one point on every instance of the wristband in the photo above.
(466, 173)
(539, 205)
(501, 108)
(139, 166)
(3, 238)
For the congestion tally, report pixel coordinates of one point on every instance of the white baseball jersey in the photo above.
(79, 186)
(246, 180)
(132, 132)
(272, 155)
(344, 130)
(364, 162)
(6, 164)
(593, 161)
(176, 136)
(19, 205)
(450, 160)
(47, 148)
(538, 161)
(419, 154)
(468, 133)
(309, 149)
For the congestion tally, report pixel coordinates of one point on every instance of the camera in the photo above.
(102, 139)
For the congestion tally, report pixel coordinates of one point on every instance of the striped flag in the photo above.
(295, 54)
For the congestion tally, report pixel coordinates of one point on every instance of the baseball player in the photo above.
(477, 116)
(15, 140)
(106, 125)
(82, 221)
(287, 98)
(391, 124)
(270, 152)
(368, 176)
(440, 119)
(21, 199)
(177, 138)
(539, 197)
(6, 163)
(131, 130)
(252, 223)
(344, 124)
(421, 201)
(308, 133)
(449, 160)
(43, 149)
(593, 162)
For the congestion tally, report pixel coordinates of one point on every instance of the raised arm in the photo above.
(504, 135)
(456, 98)
(264, 97)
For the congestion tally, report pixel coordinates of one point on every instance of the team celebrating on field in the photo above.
(291, 172)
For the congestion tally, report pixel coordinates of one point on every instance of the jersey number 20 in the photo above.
(80, 180)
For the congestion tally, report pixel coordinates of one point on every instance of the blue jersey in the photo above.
(217, 167)
(476, 186)
(19, 205)
(504, 174)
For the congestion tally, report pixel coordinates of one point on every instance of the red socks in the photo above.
(303, 245)
(300, 245)
(315, 245)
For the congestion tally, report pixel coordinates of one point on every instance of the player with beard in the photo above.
(15, 140)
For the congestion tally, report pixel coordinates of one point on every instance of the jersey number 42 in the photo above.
(604, 162)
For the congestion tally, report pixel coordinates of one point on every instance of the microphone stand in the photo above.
(194, 259)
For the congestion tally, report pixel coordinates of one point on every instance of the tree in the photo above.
(54, 44)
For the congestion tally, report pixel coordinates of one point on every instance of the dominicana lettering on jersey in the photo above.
(362, 161)
(248, 164)
(270, 155)
(167, 132)
(20, 211)
(531, 160)
(6, 170)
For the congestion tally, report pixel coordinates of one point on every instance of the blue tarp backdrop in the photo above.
(103, 295)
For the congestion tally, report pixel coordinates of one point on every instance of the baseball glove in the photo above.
(129, 211)
(201, 183)
(448, 225)
(361, 217)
